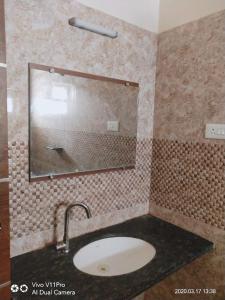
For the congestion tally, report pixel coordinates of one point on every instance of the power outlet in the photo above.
(215, 131)
(113, 126)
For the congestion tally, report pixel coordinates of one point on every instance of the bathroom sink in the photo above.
(114, 256)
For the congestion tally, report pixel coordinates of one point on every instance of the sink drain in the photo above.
(103, 268)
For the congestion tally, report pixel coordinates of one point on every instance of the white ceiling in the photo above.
(143, 13)
(174, 13)
(157, 15)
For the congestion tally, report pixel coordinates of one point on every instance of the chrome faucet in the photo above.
(64, 245)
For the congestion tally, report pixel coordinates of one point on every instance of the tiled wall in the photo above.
(189, 94)
(189, 171)
(189, 178)
(190, 90)
(37, 208)
(48, 39)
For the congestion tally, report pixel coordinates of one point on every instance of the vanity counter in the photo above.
(174, 246)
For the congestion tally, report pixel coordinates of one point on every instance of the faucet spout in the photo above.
(64, 245)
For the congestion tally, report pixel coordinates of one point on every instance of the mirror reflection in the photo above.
(80, 122)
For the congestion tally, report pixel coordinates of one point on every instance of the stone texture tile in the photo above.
(190, 85)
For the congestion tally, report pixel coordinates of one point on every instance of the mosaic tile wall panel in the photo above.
(189, 178)
(81, 151)
(36, 206)
(28, 243)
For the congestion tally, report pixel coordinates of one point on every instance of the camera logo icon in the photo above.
(16, 288)
(23, 288)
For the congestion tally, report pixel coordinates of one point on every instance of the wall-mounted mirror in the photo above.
(80, 122)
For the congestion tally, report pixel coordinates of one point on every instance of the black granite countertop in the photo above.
(175, 248)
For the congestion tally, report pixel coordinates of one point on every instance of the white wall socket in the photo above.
(113, 125)
(215, 131)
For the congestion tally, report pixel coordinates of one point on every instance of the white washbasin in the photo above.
(114, 256)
